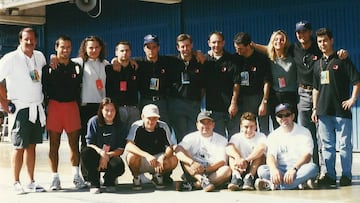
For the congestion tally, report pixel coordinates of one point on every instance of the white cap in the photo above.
(150, 110)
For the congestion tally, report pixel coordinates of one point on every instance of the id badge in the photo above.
(325, 77)
(154, 84)
(245, 79)
(34, 75)
(185, 78)
(282, 82)
(106, 148)
(123, 86)
(99, 84)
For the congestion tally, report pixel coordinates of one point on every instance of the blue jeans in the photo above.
(224, 125)
(304, 119)
(251, 103)
(304, 173)
(331, 127)
(183, 114)
(128, 115)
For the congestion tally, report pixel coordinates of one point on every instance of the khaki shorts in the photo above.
(145, 165)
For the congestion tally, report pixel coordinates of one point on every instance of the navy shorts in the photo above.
(25, 132)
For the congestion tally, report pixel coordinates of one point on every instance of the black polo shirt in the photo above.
(122, 86)
(221, 75)
(254, 72)
(156, 78)
(342, 74)
(190, 79)
(305, 60)
(62, 84)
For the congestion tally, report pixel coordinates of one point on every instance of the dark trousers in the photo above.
(90, 163)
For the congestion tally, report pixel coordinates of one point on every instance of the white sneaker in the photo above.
(55, 184)
(263, 184)
(79, 182)
(34, 187)
(18, 188)
(95, 190)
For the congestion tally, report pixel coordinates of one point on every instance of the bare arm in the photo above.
(233, 108)
(263, 106)
(289, 176)
(259, 47)
(315, 95)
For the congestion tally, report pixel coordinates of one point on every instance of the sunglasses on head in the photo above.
(285, 115)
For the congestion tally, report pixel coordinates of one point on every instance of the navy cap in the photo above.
(282, 107)
(204, 115)
(303, 25)
(151, 39)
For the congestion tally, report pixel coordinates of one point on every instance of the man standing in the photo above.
(188, 90)
(122, 85)
(22, 71)
(202, 156)
(332, 107)
(288, 158)
(62, 87)
(222, 87)
(255, 80)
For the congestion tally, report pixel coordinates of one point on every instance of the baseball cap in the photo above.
(150, 110)
(302, 25)
(204, 115)
(151, 39)
(284, 106)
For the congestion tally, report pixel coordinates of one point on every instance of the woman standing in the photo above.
(283, 69)
(106, 139)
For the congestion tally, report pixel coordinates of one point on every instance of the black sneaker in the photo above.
(326, 182)
(248, 182)
(345, 181)
(157, 180)
(235, 184)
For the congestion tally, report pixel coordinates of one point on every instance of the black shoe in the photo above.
(326, 182)
(183, 186)
(345, 181)
(167, 179)
(248, 182)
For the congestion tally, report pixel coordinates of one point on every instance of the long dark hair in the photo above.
(82, 49)
(101, 121)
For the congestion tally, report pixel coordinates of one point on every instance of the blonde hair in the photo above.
(270, 48)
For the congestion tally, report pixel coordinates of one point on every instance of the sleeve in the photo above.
(271, 144)
(132, 131)
(5, 66)
(45, 82)
(166, 128)
(187, 141)
(316, 75)
(109, 81)
(353, 73)
(92, 128)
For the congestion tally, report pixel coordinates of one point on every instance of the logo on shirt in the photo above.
(197, 70)
(335, 67)
(314, 58)
(223, 69)
(134, 77)
(162, 71)
(253, 68)
(106, 134)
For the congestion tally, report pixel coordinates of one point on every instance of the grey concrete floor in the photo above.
(124, 192)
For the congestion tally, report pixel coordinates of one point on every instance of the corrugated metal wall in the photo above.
(131, 20)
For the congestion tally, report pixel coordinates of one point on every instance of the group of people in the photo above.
(100, 103)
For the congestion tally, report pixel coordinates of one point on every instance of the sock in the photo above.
(56, 175)
(75, 170)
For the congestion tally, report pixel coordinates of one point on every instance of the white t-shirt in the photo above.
(205, 150)
(93, 70)
(15, 67)
(246, 145)
(288, 148)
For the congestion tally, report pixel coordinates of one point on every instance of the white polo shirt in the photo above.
(246, 145)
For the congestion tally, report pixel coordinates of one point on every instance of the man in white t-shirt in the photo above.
(289, 155)
(22, 70)
(202, 156)
(246, 151)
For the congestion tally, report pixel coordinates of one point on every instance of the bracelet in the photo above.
(192, 163)
(295, 169)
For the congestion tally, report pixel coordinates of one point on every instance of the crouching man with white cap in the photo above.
(149, 148)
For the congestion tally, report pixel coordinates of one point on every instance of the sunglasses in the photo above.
(283, 115)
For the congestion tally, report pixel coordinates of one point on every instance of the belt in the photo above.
(153, 98)
(307, 87)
